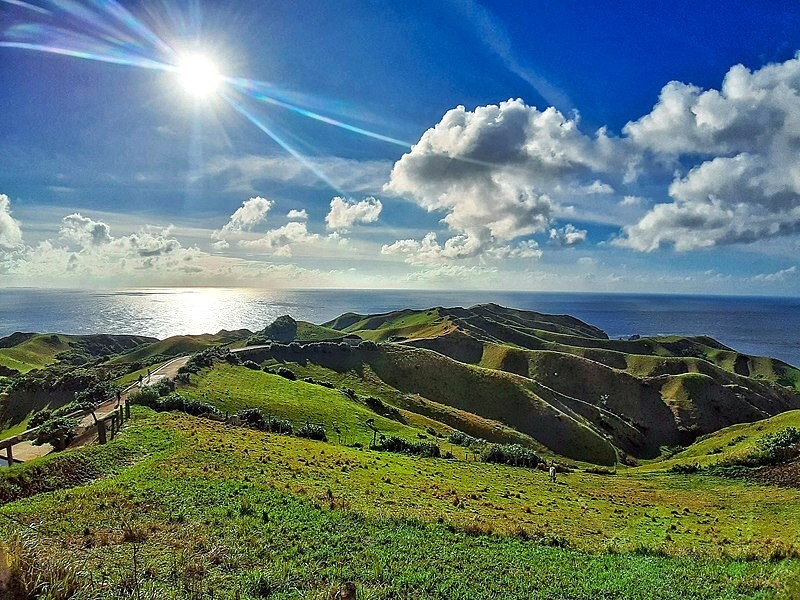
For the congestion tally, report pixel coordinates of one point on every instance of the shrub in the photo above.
(779, 447)
(459, 438)
(511, 454)
(326, 384)
(164, 387)
(287, 373)
(174, 401)
(600, 471)
(312, 432)
(395, 443)
(351, 393)
(39, 418)
(685, 469)
(276, 425)
(57, 431)
(372, 402)
(251, 364)
(252, 417)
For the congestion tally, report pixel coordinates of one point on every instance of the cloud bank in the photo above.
(507, 171)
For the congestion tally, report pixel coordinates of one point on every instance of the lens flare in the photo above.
(198, 75)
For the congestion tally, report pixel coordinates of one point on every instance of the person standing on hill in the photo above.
(553, 473)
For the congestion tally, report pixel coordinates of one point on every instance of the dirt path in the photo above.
(25, 451)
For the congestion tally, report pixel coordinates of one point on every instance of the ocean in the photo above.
(754, 325)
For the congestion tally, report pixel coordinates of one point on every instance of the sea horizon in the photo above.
(758, 325)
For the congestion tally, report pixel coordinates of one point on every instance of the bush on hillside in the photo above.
(778, 447)
(252, 417)
(173, 401)
(511, 454)
(459, 438)
(251, 364)
(312, 432)
(395, 443)
(276, 425)
(57, 431)
(349, 393)
(40, 417)
(287, 374)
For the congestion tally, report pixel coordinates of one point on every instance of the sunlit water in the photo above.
(762, 326)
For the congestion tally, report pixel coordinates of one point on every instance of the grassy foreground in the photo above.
(208, 507)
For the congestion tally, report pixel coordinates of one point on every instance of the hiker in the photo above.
(140, 380)
(553, 473)
(119, 397)
(148, 375)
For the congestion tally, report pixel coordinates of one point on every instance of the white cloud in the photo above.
(496, 171)
(746, 185)
(568, 236)
(297, 215)
(631, 201)
(279, 241)
(10, 232)
(251, 213)
(428, 251)
(84, 231)
(346, 213)
(781, 275)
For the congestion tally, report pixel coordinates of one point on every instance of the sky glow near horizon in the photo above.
(466, 145)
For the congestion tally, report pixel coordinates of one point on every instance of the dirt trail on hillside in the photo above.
(87, 433)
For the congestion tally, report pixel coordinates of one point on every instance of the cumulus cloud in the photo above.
(428, 251)
(279, 241)
(776, 276)
(496, 172)
(745, 183)
(251, 213)
(10, 232)
(346, 213)
(297, 215)
(84, 231)
(568, 236)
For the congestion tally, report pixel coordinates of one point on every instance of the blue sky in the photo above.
(556, 146)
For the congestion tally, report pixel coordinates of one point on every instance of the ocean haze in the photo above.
(754, 325)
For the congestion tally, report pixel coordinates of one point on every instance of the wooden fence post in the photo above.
(127, 408)
(101, 432)
(9, 456)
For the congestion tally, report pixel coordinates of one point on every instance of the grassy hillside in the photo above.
(27, 351)
(233, 388)
(206, 506)
(489, 395)
(730, 443)
(642, 394)
(180, 345)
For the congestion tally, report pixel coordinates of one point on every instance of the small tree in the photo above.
(58, 432)
(93, 396)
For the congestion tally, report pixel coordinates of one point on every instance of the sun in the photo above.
(198, 75)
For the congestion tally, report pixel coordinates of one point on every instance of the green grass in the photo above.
(232, 509)
(179, 345)
(34, 353)
(730, 443)
(233, 388)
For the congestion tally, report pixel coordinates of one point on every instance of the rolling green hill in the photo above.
(640, 394)
(179, 345)
(26, 351)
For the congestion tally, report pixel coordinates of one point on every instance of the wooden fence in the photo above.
(107, 427)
